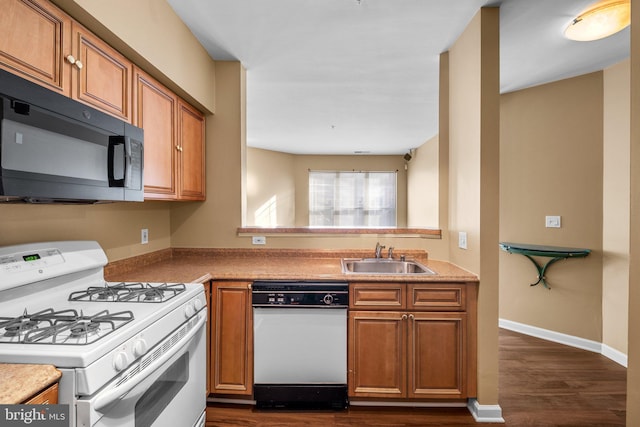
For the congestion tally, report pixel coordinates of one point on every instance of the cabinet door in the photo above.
(35, 37)
(191, 152)
(437, 355)
(101, 77)
(232, 338)
(377, 353)
(155, 109)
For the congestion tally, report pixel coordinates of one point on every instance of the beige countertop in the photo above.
(200, 265)
(19, 382)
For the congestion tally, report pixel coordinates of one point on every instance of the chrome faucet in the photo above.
(390, 254)
(379, 249)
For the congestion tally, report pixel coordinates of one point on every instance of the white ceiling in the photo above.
(345, 76)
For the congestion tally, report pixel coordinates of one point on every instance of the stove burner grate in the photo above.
(129, 292)
(61, 327)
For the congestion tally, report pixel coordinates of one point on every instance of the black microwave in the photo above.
(56, 149)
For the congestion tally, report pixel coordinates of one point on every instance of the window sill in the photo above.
(424, 233)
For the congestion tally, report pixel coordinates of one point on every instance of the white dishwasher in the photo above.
(300, 344)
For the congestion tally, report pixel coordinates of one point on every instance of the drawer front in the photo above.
(449, 297)
(377, 296)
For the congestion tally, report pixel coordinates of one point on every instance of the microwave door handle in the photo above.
(108, 397)
(112, 158)
(127, 162)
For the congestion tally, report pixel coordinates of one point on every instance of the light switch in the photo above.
(462, 240)
(552, 221)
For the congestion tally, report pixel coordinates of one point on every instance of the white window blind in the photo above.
(352, 199)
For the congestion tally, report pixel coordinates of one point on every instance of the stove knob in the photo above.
(197, 304)
(328, 299)
(140, 347)
(120, 361)
(189, 310)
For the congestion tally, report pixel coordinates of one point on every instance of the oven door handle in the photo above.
(109, 396)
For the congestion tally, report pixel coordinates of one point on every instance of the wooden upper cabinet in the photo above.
(174, 163)
(100, 77)
(155, 108)
(191, 153)
(35, 37)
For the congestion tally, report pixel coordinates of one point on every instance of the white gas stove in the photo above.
(130, 353)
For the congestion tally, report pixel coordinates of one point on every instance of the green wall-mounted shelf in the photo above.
(554, 252)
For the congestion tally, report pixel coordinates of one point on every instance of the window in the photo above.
(352, 199)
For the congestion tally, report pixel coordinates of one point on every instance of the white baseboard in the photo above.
(570, 340)
(617, 356)
(485, 413)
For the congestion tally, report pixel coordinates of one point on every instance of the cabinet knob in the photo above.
(249, 286)
(179, 148)
(404, 317)
(411, 317)
(78, 65)
(70, 59)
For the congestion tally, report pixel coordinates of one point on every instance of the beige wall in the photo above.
(271, 189)
(551, 164)
(116, 226)
(443, 149)
(474, 118)
(423, 186)
(615, 220)
(213, 223)
(633, 373)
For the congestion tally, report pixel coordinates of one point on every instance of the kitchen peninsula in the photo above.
(429, 321)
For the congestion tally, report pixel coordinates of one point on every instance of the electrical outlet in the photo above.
(144, 236)
(552, 221)
(259, 240)
(462, 240)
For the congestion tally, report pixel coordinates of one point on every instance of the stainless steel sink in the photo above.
(383, 266)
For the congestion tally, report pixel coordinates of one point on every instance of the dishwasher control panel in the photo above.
(300, 294)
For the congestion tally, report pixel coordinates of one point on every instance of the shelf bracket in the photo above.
(543, 269)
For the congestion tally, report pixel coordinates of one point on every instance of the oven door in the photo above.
(167, 391)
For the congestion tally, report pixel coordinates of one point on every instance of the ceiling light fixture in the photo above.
(601, 20)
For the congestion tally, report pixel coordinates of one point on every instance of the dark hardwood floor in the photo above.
(541, 384)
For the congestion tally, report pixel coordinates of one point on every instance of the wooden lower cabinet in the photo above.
(231, 338)
(377, 354)
(409, 353)
(48, 396)
(436, 355)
